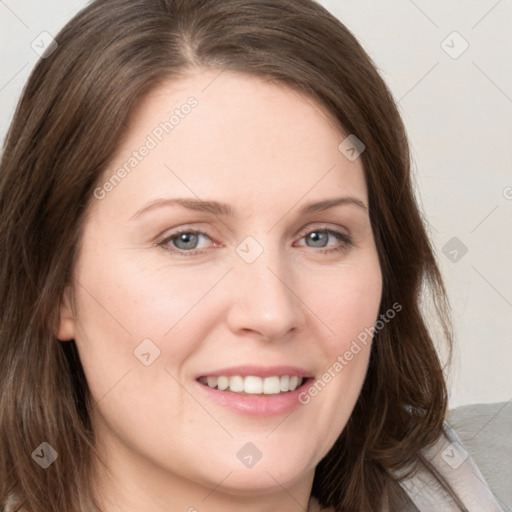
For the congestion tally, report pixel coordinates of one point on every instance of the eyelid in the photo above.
(184, 228)
(321, 227)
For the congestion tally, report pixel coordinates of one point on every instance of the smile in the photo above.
(253, 385)
(258, 391)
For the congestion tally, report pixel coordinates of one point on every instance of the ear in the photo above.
(66, 331)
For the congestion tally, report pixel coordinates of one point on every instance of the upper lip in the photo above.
(258, 371)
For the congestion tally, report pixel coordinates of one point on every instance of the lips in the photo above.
(256, 391)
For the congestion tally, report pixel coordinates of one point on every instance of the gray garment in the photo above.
(486, 431)
(448, 460)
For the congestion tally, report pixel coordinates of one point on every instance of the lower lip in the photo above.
(257, 405)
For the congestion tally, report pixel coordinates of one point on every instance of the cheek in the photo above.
(348, 309)
(126, 300)
(347, 305)
(128, 309)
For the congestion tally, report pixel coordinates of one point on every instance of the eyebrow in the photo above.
(224, 209)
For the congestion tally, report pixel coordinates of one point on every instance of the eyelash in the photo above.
(346, 240)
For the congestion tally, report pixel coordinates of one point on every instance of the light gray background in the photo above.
(458, 112)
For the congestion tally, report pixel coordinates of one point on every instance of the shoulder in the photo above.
(448, 479)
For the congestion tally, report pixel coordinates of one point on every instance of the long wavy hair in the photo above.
(67, 125)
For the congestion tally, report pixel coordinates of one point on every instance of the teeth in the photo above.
(271, 385)
(212, 381)
(222, 383)
(254, 385)
(236, 384)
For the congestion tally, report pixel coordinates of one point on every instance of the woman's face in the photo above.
(269, 294)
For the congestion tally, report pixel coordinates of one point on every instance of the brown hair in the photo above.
(67, 125)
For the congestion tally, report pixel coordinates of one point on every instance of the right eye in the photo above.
(183, 242)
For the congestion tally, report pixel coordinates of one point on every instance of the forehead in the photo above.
(233, 135)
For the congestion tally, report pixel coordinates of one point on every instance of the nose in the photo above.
(265, 301)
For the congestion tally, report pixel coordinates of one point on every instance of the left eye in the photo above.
(186, 242)
(320, 238)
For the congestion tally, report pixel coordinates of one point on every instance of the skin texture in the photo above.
(267, 151)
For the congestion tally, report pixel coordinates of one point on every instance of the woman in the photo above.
(212, 265)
